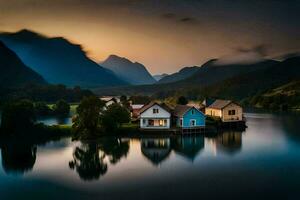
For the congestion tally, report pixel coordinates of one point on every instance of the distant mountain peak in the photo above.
(132, 72)
(183, 73)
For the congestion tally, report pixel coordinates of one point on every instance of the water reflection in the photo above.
(230, 142)
(89, 158)
(88, 162)
(188, 146)
(156, 150)
(18, 158)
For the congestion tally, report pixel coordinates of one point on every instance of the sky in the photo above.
(164, 35)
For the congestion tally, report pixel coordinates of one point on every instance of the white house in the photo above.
(155, 116)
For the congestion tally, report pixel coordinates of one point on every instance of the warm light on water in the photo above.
(262, 162)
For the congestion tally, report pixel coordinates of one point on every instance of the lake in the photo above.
(263, 162)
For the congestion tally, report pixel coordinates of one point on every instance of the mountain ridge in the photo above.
(133, 72)
(13, 72)
(58, 60)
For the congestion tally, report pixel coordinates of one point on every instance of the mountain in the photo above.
(211, 72)
(157, 77)
(180, 75)
(284, 97)
(58, 60)
(13, 72)
(133, 73)
(234, 81)
(252, 83)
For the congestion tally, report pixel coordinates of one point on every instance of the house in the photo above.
(135, 110)
(155, 116)
(226, 110)
(188, 117)
(109, 100)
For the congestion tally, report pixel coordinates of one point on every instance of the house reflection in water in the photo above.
(188, 146)
(156, 150)
(229, 142)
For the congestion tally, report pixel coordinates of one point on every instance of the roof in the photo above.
(220, 104)
(180, 110)
(208, 101)
(149, 105)
(137, 106)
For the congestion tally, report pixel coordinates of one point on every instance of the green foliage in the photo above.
(42, 109)
(140, 99)
(45, 93)
(182, 100)
(87, 120)
(61, 108)
(114, 116)
(18, 116)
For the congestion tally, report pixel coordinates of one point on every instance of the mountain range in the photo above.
(180, 75)
(157, 77)
(13, 72)
(235, 81)
(58, 61)
(133, 73)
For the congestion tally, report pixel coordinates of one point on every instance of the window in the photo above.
(144, 121)
(180, 122)
(193, 112)
(193, 122)
(155, 110)
(231, 112)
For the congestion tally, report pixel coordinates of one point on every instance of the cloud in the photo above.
(260, 49)
(177, 18)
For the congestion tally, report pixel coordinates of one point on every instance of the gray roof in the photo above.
(149, 105)
(220, 104)
(180, 110)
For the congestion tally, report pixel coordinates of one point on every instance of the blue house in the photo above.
(188, 117)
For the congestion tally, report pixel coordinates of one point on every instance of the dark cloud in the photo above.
(188, 20)
(261, 49)
(169, 15)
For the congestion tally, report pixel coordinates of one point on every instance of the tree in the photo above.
(41, 108)
(61, 108)
(182, 100)
(114, 117)
(18, 116)
(125, 102)
(87, 120)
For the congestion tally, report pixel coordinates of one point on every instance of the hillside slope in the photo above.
(13, 72)
(58, 60)
(133, 73)
(180, 75)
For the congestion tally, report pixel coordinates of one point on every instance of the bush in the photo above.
(18, 116)
(61, 108)
(42, 109)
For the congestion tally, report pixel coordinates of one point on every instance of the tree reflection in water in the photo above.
(18, 158)
(89, 158)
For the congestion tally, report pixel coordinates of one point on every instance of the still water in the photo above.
(262, 162)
